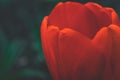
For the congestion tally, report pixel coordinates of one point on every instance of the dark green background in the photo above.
(21, 56)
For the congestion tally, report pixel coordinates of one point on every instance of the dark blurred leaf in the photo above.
(56, 0)
(3, 39)
(11, 53)
(32, 73)
(118, 9)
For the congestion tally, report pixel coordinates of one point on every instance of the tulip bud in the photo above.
(82, 42)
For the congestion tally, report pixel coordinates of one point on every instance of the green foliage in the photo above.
(9, 55)
(32, 73)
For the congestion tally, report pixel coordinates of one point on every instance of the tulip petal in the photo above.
(49, 55)
(103, 17)
(103, 40)
(79, 59)
(115, 17)
(75, 16)
(53, 33)
(116, 51)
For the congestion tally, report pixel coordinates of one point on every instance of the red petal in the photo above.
(115, 18)
(103, 17)
(75, 16)
(116, 51)
(103, 40)
(79, 59)
(49, 54)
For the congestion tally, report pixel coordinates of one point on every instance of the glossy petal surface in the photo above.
(116, 51)
(103, 40)
(103, 17)
(115, 17)
(48, 50)
(75, 16)
(79, 59)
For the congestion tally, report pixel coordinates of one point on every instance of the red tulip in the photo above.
(82, 42)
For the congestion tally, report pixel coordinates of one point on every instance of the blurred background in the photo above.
(21, 55)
